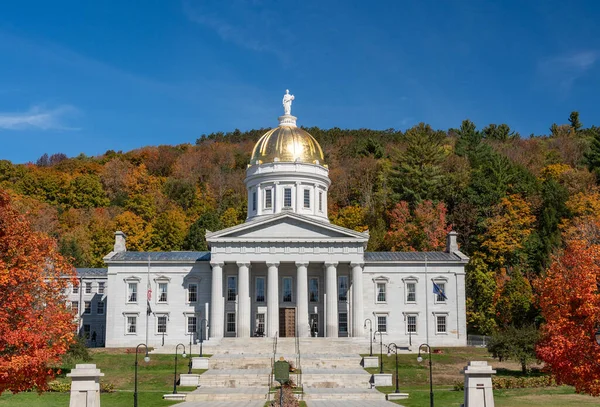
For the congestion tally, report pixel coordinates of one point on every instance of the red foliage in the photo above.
(424, 229)
(36, 327)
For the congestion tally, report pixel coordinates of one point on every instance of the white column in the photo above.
(217, 315)
(302, 299)
(272, 299)
(259, 198)
(357, 300)
(332, 300)
(243, 317)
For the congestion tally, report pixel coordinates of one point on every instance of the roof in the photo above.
(160, 256)
(91, 272)
(410, 256)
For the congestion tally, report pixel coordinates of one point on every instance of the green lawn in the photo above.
(447, 367)
(155, 378)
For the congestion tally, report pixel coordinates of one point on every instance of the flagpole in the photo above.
(426, 302)
(148, 297)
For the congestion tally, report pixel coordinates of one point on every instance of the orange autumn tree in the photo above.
(569, 300)
(36, 327)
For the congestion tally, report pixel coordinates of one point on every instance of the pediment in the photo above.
(288, 227)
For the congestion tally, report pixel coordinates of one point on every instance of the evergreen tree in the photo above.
(196, 237)
(574, 120)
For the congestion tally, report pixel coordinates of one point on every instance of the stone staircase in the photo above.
(240, 369)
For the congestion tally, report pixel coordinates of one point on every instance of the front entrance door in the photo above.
(287, 322)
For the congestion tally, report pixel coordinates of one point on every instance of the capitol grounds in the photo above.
(156, 378)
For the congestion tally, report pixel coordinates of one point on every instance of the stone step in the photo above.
(228, 394)
(235, 378)
(336, 378)
(342, 394)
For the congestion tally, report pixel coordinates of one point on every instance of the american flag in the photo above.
(148, 309)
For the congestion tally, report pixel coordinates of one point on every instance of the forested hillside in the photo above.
(512, 199)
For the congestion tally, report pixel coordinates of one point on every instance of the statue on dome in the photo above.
(287, 102)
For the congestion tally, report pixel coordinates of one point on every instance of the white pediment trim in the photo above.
(329, 231)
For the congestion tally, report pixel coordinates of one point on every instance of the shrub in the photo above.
(516, 383)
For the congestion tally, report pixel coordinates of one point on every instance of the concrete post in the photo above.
(332, 300)
(243, 320)
(302, 299)
(272, 299)
(478, 385)
(85, 386)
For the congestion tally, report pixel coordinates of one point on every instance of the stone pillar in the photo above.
(217, 315)
(243, 317)
(272, 299)
(85, 386)
(478, 385)
(302, 299)
(357, 300)
(331, 330)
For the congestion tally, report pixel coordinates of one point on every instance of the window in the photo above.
(411, 324)
(342, 288)
(254, 201)
(230, 322)
(132, 292)
(86, 331)
(192, 292)
(260, 324)
(101, 288)
(131, 325)
(440, 291)
(313, 290)
(87, 307)
(287, 289)
(260, 289)
(287, 198)
(320, 201)
(307, 198)
(76, 288)
(382, 323)
(314, 324)
(231, 288)
(191, 325)
(380, 292)
(411, 292)
(268, 198)
(441, 324)
(162, 292)
(161, 324)
(88, 288)
(75, 307)
(343, 322)
(100, 307)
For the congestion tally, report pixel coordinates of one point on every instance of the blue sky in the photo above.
(89, 76)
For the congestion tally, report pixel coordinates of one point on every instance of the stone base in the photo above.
(396, 396)
(371, 361)
(175, 397)
(382, 379)
(189, 380)
(199, 363)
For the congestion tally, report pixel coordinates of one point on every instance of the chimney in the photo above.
(120, 242)
(451, 242)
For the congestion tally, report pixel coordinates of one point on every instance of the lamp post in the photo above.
(370, 335)
(175, 375)
(389, 348)
(380, 349)
(190, 364)
(420, 359)
(146, 359)
(203, 320)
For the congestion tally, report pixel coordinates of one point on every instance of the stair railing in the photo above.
(299, 368)
(272, 375)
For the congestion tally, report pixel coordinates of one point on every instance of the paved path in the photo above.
(253, 403)
(351, 403)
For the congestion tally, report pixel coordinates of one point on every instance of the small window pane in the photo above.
(192, 293)
(321, 201)
(260, 289)
(382, 323)
(411, 324)
(287, 289)
(87, 307)
(313, 290)
(411, 292)
(132, 295)
(307, 198)
(76, 288)
(162, 292)
(442, 290)
(380, 292)
(161, 323)
(260, 324)
(191, 324)
(131, 325)
(231, 288)
(88, 288)
(230, 322)
(343, 322)
(268, 198)
(75, 307)
(101, 288)
(441, 324)
(342, 288)
(254, 201)
(100, 307)
(287, 197)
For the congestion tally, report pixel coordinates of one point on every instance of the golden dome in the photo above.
(289, 144)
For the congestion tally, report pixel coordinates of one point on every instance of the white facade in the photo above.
(286, 271)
